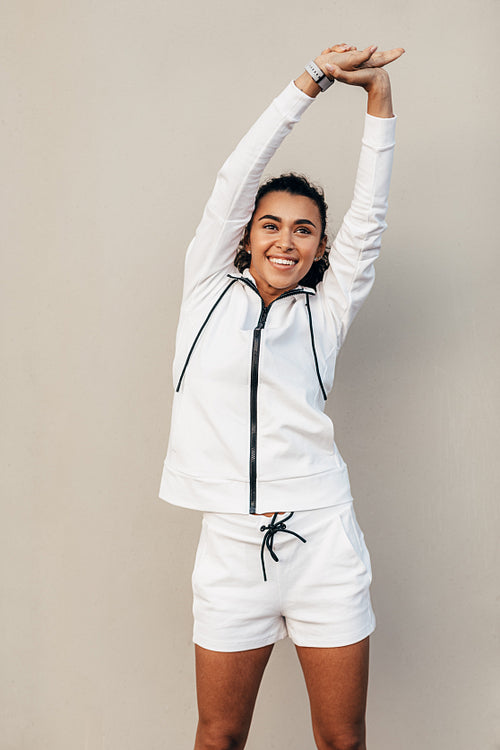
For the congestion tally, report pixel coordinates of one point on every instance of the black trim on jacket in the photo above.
(254, 369)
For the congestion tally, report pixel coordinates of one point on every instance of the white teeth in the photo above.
(283, 261)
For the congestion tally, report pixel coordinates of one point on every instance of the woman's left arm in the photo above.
(350, 277)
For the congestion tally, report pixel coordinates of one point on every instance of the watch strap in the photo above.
(318, 76)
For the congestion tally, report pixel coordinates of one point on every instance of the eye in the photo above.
(269, 226)
(303, 230)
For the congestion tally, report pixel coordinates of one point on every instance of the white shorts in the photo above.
(318, 593)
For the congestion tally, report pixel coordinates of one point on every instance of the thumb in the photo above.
(344, 76)
(335, 71)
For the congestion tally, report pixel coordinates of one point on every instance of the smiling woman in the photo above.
(285, 239)
(291, 184)
(255, 360)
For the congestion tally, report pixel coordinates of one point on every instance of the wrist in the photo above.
(379, 95)
(306, 84)
(379, 82)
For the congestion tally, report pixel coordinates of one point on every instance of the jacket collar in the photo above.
(247, 277)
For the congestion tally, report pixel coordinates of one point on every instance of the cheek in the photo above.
(259, 245)
(311, 252)
(252, 243)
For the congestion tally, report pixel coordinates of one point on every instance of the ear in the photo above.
(246, 241)
(321, 248)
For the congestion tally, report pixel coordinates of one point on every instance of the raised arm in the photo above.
(211, 252)
(350, 277)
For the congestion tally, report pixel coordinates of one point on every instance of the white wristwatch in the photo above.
(317, 75)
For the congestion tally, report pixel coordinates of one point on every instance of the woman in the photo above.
(255, 356)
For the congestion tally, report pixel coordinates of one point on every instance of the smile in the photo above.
(282, 261)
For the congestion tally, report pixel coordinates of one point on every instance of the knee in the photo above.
(342, 743)
(347, 740)
(214, 736)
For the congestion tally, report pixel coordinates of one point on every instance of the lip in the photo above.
(282, 266)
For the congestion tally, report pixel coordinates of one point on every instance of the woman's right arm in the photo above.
(211, 253)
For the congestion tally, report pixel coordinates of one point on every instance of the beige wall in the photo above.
(115, 118)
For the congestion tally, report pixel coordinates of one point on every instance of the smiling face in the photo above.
(285, 238)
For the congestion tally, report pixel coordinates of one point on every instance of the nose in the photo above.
(285, 240)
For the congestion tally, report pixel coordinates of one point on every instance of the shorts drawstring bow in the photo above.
(271, 529)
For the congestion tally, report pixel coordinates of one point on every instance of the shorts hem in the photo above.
(248, 645)
(348, 639)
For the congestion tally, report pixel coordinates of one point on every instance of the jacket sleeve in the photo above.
(211, 252)
(349, 279)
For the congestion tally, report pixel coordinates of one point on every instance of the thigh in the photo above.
(337, 682)
(326, 593)
(227, 684)
(234, 608)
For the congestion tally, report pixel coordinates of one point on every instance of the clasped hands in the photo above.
(346, 63)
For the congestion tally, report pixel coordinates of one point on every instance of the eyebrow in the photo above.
(278, 219)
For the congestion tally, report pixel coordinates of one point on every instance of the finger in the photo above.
(358, 77)
(339, 74)
(379, 59)
(344, 47)
(388, 55)
(358, 58)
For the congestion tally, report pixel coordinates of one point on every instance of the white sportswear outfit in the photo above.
(248, 433)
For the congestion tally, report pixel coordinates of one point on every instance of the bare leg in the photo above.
(337, 682)
(227, 684)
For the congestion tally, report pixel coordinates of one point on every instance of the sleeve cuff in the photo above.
(379, 132)
(292, 102)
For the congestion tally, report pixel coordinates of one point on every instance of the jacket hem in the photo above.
(320, 490)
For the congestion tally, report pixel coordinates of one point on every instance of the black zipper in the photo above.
(254, 370)
(254, 384)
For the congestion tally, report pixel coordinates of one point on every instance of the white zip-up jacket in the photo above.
(248, 431)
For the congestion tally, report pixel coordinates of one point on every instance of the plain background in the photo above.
(115, 118)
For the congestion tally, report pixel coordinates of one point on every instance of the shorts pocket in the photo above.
(355, 538)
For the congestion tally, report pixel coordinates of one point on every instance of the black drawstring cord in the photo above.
(271, 530)
(311, 330)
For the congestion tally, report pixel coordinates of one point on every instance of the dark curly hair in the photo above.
(294, 184)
